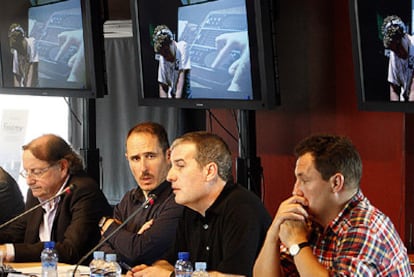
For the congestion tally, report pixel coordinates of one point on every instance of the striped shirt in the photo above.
(360, 241)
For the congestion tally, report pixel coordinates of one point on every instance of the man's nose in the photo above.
(296, 190)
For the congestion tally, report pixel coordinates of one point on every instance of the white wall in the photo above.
(23, 118)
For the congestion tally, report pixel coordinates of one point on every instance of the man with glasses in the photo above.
(71, 220)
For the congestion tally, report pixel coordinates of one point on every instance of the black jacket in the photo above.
(75, 227)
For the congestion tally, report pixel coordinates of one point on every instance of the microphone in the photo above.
(66, 191)
(149, 202)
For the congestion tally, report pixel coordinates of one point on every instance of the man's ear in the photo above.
(337, 182)
(211, 170)
(64, 166)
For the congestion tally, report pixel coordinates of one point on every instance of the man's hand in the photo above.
(293, 231)
(163, 269)
(3, 253)
(292, 208)
(108, 223)
(145, 226)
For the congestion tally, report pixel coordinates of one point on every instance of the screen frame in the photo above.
(93, 40)
(260, 24)
(362, 61)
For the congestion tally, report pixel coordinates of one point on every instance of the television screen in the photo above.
(206, 54)
(383, 50)
(52, 48)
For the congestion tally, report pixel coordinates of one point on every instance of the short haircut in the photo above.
(209, 148)
(333, 154)
(16, 28)
(52, 148)
(154, 129)
(162, 37)
(393, 29)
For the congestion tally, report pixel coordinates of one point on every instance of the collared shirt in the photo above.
(360, 241)
(148, 247)
(229, 237)
(45, 228)
(75, 229)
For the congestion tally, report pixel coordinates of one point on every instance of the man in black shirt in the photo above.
(224, 225)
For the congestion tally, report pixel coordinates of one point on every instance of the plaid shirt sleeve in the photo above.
(368, 252)
(287, 264)
(362, 243)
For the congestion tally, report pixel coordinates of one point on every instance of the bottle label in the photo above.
(50, 264)
(97, 273)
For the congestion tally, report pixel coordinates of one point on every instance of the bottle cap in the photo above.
(184, 256)
(200, 266)
(110, 257)
(98, 255)
(49, 244)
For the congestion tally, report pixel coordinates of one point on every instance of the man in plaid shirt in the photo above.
(328, 227)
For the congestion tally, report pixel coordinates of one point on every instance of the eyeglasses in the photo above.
(35, 173)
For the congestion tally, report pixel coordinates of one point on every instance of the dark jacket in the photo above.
(75, 227)
(11, 198)
(148, 247)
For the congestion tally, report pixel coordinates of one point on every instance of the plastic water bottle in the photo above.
(200, 270)
(49, 258)
(97, 265)
(112, 268)
(183, 266)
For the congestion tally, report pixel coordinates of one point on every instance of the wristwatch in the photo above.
(102, 221)
(295, 248)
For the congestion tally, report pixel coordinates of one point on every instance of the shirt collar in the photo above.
(216, 207)
(51, 204)
(335, 225)
(139, 194)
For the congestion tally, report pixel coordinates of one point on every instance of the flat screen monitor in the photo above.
(206, 54)
(383, 51)
(52, 48)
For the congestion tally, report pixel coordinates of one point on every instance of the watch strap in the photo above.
(302, 245)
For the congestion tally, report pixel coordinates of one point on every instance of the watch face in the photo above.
(102, 222)
(294, 249)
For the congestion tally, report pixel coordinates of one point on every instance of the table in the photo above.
(35, 269)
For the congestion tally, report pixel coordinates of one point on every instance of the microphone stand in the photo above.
(146, 204)
(67, 190)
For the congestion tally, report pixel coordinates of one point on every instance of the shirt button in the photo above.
(205, 226)
(208, 248)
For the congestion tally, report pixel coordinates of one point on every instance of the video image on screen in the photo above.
(383, 52)
(203, 54)
(206, 53)
(58, 31)
(217, 35)
(46, 47)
